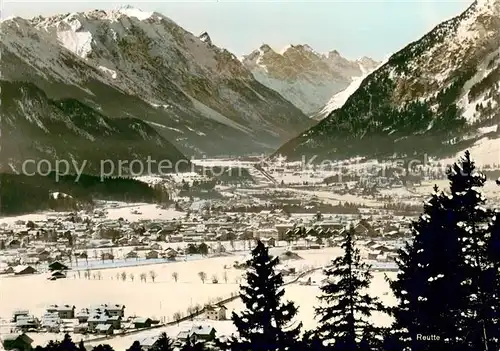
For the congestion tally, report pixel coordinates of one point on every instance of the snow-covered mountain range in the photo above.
(129, 67)
(438, 95)
(305, 77)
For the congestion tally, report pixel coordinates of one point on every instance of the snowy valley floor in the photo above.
(164, 297)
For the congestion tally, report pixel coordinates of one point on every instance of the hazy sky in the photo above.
(354, 28)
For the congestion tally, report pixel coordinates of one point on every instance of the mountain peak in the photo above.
(298, 48)
(264, 48)
(302, 75)
(333, 53)
(131, 11)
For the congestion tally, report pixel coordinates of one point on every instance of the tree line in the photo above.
(25, 194)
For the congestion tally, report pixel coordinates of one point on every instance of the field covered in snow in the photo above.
(163, 298)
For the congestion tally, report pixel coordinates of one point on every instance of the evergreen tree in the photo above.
(81, 346)
(345, 306)
(493, 253)
(266, 323)
(429, 286)
(192, 345)
(102, 347)
(164, 343)
(311, 341)
(445, 286)
(67, 344)
(466, 209)
(136, 346)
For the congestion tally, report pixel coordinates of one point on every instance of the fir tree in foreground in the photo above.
(191, 345)
(102, 347)
(466, 204)
(164, 343)
(66, 344)
(346, 307)
(266, 324)
(429, 285)
(136, 346)
(445, 287)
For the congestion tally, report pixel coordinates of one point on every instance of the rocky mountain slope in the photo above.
(438, 95)
(36, 128)
(305, 77)
(132, 65)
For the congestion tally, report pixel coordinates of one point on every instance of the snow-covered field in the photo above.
(143, 212)
(164, 297)
(132, 212)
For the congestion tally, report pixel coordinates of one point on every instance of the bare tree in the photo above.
(94, 276)
(177, 317)
(175, 275)
(131, 276)
(99, 275)
(124, 276)
(117, 276)
(215, 280)
(143, 277)
(224, 276)
(153, 275)
(203, 276)
(79, 276)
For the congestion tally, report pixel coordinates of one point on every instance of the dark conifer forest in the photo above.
(24, 194)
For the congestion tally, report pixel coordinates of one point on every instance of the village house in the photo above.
(14, 244)
(58, 266)
(175, 238)
(105, 329)
(142, 322)
(19, 313)
(43, 255)
(282, 229)
(107, 256)
(113, 310)
(171, 253)
(96, 319)
(24, 323)
(153, 254)
(330, 224)
(81, 328)
(202, 333)
(267, 233)
(132, 254)
(115, 321)
(8, 270)
(22, 270)
(149, 342)
(64, 311)
(19, 342)
(83, 315)
(216, 313)
(155, 246)
(56, 275)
